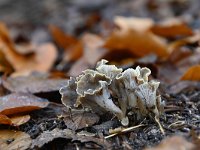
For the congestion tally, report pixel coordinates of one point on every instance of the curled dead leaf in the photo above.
(41, 60)
(171, 28)
(92, 52)
(192, 74)
(20, 102)
(14, 140)
(14, 120)
(62, 39)
(20, 119)
(5, 120)
(139, 41)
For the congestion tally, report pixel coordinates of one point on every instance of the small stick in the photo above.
(124, 130)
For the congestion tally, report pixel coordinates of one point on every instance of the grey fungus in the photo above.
(69, 94)
(110, 89)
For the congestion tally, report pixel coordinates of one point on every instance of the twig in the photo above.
(124, 130)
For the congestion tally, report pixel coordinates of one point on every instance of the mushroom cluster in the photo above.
(109, 88)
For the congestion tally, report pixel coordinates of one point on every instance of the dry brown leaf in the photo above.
(42, 60)
(73, 48)
(34, 83)
(136, 39)
(14, 140)
(139, 24)
(25, 48)
(62, 39)
(48, 136)
(171, 28)
(173, 143)
(20, 119)
(192, 74)
(4, 64)
(176, 45)
(74, 53)
(93, 52)
(15, 120)
(5, 120)
(19, 102)
(79, 119)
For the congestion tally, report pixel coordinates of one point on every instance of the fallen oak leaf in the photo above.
(192, 74)
(20, 102)
(14, 140)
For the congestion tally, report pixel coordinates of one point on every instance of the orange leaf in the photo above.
(138, 43)
(192, 74)
(172, 28)
(19, 140)
(20, 119)
(42, 60)
(134, 36)
(62, 39)
(15, 120)
(19, 102)
(5, 120)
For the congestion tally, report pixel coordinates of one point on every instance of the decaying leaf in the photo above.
(19, 119)
(78, 119)
(20, 102)
(175, 142)
(182, 85)
(171, 28)
(42, 60)
(62, 39)
(34, 83)
(49, 136)
(14, 140)
(138, 42)
(4, 64)
(14, 120)
(5, 120)
(192, 74)
(92, 52)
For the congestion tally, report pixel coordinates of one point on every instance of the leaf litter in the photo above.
(36, 64)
